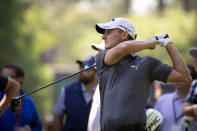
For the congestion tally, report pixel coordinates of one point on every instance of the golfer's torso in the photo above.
(124, 90)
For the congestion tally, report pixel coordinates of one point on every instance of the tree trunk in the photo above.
(186, 5)
(161, 5)
(127, 6)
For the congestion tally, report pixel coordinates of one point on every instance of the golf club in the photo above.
(20, 97)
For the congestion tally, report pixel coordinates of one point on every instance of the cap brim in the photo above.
(193, 52)
(79, 62)
(100, 28)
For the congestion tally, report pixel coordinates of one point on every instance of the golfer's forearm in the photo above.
(178, 63)
(115, 54)
(135, 46)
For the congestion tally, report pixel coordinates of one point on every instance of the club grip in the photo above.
(167, 36)
(15, 105)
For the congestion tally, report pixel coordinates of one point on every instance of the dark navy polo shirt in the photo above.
(125, 88)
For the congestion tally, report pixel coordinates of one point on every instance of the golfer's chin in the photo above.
(107, 46)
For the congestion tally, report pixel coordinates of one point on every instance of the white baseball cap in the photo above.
(100, 46)
(120, 23)
(153, 119)
(193, 52)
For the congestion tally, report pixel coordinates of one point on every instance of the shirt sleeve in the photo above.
(60, 106)
(159, 71)
(100, 62)
(192, 96)
(3, 82)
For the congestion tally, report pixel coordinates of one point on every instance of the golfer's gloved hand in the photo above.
(161, 36)
(162, 39)
(187, 121)
(15, 105)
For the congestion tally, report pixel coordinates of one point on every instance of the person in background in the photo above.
(193, 53)
(170, 105)
(10, 88)
(94, 117)
(75, 100)
(158, 89)
(190, 104)
(27, 117)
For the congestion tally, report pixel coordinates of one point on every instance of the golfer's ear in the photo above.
(124, 34)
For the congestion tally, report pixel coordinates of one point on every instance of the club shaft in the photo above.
(20, 97)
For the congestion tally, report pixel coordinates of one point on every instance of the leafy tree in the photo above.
(17, 45)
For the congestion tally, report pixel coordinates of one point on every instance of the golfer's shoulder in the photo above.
(101, 56)
(151, 60)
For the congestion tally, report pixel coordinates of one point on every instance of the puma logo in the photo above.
(136, 67)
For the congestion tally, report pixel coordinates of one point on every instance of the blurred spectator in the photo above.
(11, 88)
(94, 117)
(75, 100)
(48, 124)
(190, 105)
(170, 105)
(193, 53)
(158, 89)
(27, 118)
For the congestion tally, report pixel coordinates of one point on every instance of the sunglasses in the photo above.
(84, 66)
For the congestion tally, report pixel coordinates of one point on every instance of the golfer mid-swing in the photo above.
(125, 77)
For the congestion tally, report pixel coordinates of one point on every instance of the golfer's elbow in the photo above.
(187, 79)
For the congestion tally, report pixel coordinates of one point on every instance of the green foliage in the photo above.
(17, 36)
(178, 24)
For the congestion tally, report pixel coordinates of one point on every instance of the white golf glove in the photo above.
(162, 39)
(161, 36)
(187, 121)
